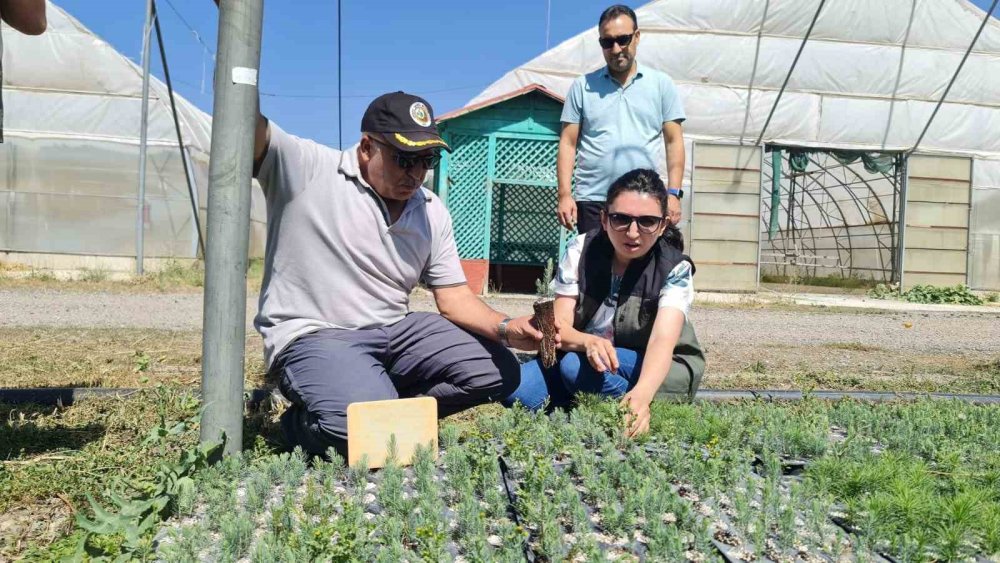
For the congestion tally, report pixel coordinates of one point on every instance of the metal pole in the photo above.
(903, 196)
(548, 20)
(340, 75)
(177, 127)
(140, 204)
(788, 76)
(235, 111)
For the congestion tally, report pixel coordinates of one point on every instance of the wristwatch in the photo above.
(676, 191)
(502, 332)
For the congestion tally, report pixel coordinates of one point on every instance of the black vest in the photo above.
(638, 295)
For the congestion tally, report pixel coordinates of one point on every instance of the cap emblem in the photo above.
(420, 114)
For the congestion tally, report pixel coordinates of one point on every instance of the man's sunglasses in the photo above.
(623, 222)
(621, 40)
(406, 161)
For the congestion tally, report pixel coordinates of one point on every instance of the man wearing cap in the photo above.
(620, 117)
(350, 235)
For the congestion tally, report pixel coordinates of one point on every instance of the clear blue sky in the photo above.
(444, 50)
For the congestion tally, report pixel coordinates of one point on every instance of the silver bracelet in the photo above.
(502, 332)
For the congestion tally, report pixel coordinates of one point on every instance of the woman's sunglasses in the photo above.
(621, 40)
(407, 161)
(623, 222)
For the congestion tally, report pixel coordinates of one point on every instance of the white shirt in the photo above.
(677, 291)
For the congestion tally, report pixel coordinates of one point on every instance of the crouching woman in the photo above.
(623, 293)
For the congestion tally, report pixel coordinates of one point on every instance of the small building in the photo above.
(499, 182)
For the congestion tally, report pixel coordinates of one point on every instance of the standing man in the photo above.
(617, 117)
(349, 236)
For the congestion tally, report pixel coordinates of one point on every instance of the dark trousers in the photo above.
(422, 355)
(588, 216)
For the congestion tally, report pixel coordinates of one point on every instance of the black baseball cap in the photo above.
(406, 121)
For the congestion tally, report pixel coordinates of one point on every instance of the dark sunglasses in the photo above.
(407, 161)
(621, 40)
(623, 222)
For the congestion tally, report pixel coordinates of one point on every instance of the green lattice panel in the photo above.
(524, 228)
(528, 160)
(467, 201)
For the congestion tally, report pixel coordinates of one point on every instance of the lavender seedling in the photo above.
(237, 533)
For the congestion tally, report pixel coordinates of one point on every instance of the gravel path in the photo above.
(919, 332)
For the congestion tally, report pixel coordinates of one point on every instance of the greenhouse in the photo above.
(845, 138)
(69, 162)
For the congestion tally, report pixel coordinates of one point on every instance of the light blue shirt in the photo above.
(621, 127)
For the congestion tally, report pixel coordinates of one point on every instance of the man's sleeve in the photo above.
(443, 269)
(573, 107)
(678, 290)
(670, 99)
(567, 280)
(287, 165)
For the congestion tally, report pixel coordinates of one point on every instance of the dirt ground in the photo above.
(104, 339)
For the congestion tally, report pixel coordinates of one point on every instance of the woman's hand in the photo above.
(601, 354)
(637, 417)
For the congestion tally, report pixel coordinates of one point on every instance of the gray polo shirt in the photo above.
(332, 259)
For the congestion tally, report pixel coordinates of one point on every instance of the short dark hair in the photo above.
(615, 11)
(641, 181)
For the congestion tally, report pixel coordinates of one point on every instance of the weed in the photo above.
(958, 294)
(819, 281)
(96, 275)
(853, 346)
(884, 291)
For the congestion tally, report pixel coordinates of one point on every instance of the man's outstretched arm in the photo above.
(459, 305)
(26, 16)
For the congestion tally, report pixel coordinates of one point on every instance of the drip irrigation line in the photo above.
(66, 396)
(954, 77)
(512, 504)
(788, 76)
(719, 395)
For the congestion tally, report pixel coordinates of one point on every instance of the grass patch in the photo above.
(51, 459)
(174, 276)
(853, 347)
(820, 281)
(95, 275)
(787, 306)
(860, 371)
(108, 357)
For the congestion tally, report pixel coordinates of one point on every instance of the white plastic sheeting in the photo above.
(868, 79)
(984, 225)
(69, 164)
(853, 70)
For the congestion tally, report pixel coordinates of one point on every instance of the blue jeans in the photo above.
(572, 374)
